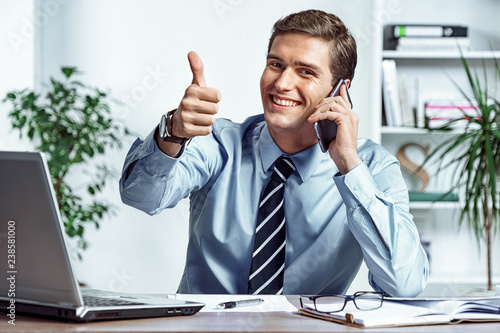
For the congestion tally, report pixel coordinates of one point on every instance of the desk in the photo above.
(224, 322)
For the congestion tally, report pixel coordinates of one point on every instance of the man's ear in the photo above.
(347, 83)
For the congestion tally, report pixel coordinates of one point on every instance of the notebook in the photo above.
(36, 272)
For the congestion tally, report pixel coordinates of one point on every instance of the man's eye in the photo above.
(306, 72)
(276, 65)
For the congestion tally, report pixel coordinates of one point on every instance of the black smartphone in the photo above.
(326, 130)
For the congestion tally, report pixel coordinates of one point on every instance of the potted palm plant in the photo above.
(72, 124)
(475, 153)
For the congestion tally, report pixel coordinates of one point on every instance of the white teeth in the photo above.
(284, 102)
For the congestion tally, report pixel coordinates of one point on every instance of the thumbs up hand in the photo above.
(196, 112)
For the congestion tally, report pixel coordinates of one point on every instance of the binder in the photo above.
(423, 30)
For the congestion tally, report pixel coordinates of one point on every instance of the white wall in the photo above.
(16, 61)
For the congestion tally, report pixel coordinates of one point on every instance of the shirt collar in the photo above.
(305, 161)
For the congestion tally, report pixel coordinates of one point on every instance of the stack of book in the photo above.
(398, 108)
(441, 112)
(420, 37)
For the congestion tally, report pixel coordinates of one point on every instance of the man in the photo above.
(332, 210)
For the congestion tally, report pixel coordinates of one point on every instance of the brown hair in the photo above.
(330, 28)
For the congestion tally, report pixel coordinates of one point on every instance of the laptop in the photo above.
(37, 276)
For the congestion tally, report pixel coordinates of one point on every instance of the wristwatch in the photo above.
(165, 129)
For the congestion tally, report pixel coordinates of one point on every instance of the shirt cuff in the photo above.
(158, 162)
(357, 187)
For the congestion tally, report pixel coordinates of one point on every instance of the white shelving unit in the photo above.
(439, 73)
(457, 262)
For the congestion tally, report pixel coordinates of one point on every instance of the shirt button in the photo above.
(355, 188)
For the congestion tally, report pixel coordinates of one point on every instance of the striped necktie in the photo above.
(268, 259)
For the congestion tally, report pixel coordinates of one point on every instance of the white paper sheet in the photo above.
(272, 303)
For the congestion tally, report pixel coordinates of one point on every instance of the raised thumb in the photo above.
(197, 69)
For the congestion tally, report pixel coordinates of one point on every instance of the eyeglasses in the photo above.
(363, 300)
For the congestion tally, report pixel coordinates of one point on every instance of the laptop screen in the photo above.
(38, 269)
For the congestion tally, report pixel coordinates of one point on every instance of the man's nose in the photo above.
(285, 80)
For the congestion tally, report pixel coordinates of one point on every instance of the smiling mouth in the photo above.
(284, 102)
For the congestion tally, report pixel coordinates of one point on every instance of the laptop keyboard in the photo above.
(105, 301)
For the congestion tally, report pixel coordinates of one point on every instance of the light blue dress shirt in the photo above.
(333, 221)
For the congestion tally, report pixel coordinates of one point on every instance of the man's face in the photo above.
(296, 78)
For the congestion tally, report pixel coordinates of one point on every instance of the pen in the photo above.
(237, 304)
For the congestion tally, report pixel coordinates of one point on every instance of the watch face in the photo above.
(162, 128)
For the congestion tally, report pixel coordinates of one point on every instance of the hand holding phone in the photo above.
(326, 130)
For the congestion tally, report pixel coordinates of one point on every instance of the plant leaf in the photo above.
(68, 71)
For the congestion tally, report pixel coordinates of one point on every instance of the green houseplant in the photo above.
(475, 153)
(72, 124)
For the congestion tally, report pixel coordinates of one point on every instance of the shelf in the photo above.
(392, 54)
(413, 130)
(434, 205)
(403, 130)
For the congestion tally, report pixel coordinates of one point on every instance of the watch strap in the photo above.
(168, 136)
